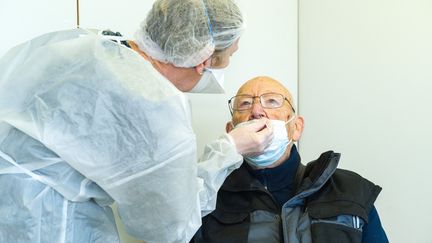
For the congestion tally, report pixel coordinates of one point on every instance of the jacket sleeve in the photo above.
(373, 230)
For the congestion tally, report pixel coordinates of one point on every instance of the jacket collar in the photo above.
(246, 178)
(316, 173)
(281, 176)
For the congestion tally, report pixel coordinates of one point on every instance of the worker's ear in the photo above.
(135, 47)
(200, 67)
(229, 126)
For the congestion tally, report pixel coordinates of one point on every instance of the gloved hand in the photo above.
(253, 137)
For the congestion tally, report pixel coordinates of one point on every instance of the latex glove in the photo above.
(252, 138)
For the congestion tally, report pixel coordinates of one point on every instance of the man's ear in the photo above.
(298, 128)
(200, 67)
(229, 126)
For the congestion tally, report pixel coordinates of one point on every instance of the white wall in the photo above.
(22, 20)
(123, 16)
(365, 91)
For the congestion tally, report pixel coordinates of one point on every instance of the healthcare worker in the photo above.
(85, 122)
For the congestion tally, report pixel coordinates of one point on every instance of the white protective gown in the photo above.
(85, 122)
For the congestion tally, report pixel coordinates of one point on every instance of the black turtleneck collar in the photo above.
(279, 180)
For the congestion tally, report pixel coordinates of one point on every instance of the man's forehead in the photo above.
(262, 85)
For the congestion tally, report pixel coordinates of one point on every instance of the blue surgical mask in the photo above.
(276, 149)
(211, 82)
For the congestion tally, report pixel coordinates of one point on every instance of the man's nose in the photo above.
(257, 110)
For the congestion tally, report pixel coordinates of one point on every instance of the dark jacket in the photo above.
(327, 205)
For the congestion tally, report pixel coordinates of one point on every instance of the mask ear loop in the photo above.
(290, 120)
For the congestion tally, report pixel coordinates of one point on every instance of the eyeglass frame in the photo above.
(253, 99)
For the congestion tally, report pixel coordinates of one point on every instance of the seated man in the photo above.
(275, 198)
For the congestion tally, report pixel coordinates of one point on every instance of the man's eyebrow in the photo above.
(264, 92)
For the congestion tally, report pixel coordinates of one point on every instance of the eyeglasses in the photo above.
(267, 101)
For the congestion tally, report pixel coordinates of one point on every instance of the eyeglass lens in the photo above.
(269, 101)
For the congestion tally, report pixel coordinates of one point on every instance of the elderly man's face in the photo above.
(275, 108)
(257, 87)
